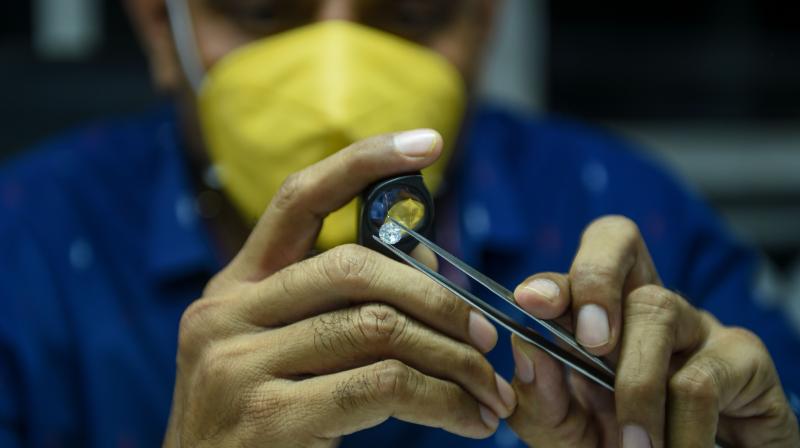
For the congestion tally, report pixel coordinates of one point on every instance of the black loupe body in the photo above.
(407, 193)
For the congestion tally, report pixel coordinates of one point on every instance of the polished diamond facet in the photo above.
(390, 233)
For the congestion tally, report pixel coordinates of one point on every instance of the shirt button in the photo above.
(81, 255)
(185, 211)
(595, 177)
(477, 220)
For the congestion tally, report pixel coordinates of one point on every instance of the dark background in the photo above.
(42, 95)
(724, 59)
(706, 68)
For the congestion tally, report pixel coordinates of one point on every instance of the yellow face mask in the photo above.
(280, 104)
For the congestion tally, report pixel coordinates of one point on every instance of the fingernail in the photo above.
(418, 143)
(524, 370)
(488, 417)
(634, 436)
(592, 329)
(482, 333)
(506, 392)
(544, 288)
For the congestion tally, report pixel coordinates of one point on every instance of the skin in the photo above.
(287, 350)
(682, 378)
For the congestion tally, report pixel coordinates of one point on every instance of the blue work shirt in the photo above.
(101, 250)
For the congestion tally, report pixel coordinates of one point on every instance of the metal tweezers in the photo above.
(583, 362)
(580, 360)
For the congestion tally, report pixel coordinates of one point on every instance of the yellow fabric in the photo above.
(280, 104)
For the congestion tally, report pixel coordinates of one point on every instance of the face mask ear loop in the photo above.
(183, 32)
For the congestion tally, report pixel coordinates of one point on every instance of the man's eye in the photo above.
(266, 16)
(413, 19)
(421, 15)
(260, 12)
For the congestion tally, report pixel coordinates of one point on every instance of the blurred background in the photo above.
(711, 87)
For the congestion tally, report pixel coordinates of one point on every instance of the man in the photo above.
(194, 233)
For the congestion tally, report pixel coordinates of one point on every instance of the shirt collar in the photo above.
(178, 243)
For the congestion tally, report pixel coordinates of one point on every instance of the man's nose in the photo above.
(337, 10)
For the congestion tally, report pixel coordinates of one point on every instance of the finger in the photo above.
(598, 402)
(350, 275)
(426, 257)
(658, 323)
(354, 400)
(612, 260)
(731, 375)
(358, 336)
(288, 228)
(547, 414)
(544, 295)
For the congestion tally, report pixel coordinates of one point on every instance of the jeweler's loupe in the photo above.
(406, 199)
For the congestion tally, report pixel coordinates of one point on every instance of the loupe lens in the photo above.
(380, 207)
(406, 199)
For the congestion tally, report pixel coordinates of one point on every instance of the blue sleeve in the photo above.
(37, 405)
(11, 378)
(10, 420)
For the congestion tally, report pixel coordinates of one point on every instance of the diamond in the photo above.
(390, 233)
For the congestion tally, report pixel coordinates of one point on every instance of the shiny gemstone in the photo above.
(390, 233)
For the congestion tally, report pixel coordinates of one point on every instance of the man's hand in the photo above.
(287, 351)
(682, 378)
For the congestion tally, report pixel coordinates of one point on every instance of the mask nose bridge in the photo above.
(338, 10)
(346, 96)
(335, 76)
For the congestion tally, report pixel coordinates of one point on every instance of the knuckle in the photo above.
(742, 337)
(386, 381)
(392, 381)
(289, 191)
(381, 324)
(634, 389)
(474, 365)
(437, 298)
(748, 343)
(195, 323)
(329, 330)
(620, 225)
(352, 392)
(289, 283)
(592, 276)
(784, 422)
(261, 405)
(653, 303)
(349, 264)
(214, 369)
(216, 362)
(358, 154)
(217, 284)
(694, 383)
